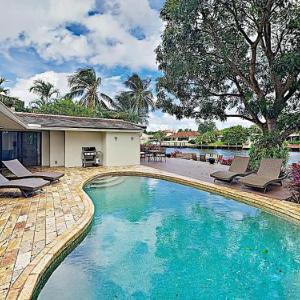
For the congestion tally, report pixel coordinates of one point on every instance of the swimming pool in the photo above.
(154, 239)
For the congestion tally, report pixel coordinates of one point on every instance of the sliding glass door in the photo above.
(24, 146)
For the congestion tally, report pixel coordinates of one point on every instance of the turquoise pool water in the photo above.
(154, 239)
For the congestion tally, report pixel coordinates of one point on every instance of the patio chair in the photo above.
(142, 155)
(162, 155)
(202, 157)
(267, 174)
(27, 186)
(20, 171)
(238, 168)
(219, 158)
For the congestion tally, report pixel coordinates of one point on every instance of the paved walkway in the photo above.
(202, 170)
(27, 225)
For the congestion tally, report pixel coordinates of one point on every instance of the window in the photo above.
(24, 146)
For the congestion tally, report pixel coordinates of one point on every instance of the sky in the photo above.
(51, 39)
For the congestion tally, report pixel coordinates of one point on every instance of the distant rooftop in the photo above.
(61, 121)
(183, 134)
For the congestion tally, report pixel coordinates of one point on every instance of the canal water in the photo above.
(294, 156)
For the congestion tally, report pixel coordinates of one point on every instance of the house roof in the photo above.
(44, 121)
(183, 134)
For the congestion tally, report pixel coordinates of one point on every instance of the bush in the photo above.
(226, 161)
(207, 138)
(294, 186)
(193, 142)
(294, 143)
(236, 135)
(268, 146)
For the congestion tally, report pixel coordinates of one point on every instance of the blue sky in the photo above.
(50, 39)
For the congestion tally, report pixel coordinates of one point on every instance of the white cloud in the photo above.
(233, 122)
(162, 121)
(158, 121)
(22, 86)
(109, 40)
(110, 85)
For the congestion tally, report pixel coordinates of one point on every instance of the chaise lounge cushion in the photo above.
(20, 171)
(224, 175)
(256, 180)
(267, 174)
(26, 184)
(238, 168)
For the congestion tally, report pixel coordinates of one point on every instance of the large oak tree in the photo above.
(232, 58)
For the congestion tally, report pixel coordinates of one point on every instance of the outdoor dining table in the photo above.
(155, 152)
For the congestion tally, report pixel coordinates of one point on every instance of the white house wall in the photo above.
(57, 148)
(121, 148)
(45, 148)
(75, 140)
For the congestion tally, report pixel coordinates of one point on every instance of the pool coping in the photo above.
(25, 286)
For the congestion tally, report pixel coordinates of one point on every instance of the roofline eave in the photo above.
(8, 113)
(85, 129)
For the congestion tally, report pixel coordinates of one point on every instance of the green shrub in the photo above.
(268, 146)
(294, 143)
(235, 135)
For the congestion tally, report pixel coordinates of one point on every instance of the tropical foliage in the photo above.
(84, 85)
(206, 125)
(65, 106)
(266, 146)
(159, 136)
(7, 99)
(85, 99)
(235, 135)
(139, 91)
(294, 185)
(207, 138)
(137, 100)
(233, 58)
(3, 91)
(45, 92)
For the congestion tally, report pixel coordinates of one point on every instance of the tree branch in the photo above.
(226, 95)
(240, 116)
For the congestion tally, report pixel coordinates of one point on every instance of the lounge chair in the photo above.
(20, 171)
(238, 168)
(27, 186)
(267, 174)
(202, 157)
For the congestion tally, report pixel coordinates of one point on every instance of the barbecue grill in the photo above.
(91, 157)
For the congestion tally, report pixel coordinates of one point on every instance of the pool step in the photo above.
(106, 182)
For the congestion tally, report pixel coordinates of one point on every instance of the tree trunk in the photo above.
(272, 125)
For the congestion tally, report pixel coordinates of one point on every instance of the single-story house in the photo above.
(55, 140)
(146, 138)
(184, 136)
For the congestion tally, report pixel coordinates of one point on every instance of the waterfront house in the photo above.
(55, 140)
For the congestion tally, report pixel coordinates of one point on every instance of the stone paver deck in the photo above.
(33, 231)
(202, 170)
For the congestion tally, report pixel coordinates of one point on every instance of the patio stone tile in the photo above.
(23, 259)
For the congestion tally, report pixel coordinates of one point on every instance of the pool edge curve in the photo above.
(32, 276)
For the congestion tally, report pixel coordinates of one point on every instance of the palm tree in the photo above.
(9, 101)
(140, 93)
(126, 104)
(85, 84)
(123, 102)
(3, 91)
(45, 91)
